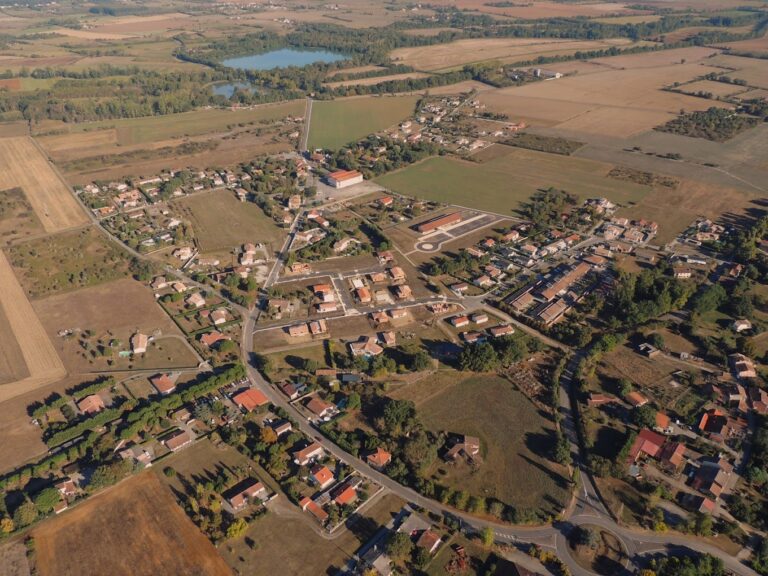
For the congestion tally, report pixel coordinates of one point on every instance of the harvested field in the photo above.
(67, 261)
(94, 309)
(91, 35)
(376, 80)
(544, 9)
(133, 529)
(144, 25)
(354, 70)
(40, 365)
(752, 94)
(23, 165)
(460, 88)
(463, 52)
(94, 140)
(13, 559)
(753, 70)
(759, 45)
(501, 185)
(337, 122)
(715, 88)
(17, 218)
(221, 222)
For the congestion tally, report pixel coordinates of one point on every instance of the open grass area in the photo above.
(503, 183)
(17, 217)
(221, 222)
(338, 122)
(515, 439)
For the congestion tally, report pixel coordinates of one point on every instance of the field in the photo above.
(221, 222)
(338, 122)
(375, 80)
(542, 9)
(28, 359)
(514, 438)
(716, 88)
(23, 165)
(504, 183)
(134, 529)
(461, 52)
(93, 309)
(17, 218)
(67, 261)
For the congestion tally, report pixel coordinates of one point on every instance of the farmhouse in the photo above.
(438, 222)
(250, 399)
(467, 446)
(240, 494)
(91, 404)
(344, 178)
(163, 383)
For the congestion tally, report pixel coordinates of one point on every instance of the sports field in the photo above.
(337, 122)
(134, 529)
(22, 165)
(502, 184)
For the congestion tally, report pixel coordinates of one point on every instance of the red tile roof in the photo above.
(250, 399)
(380, 458)
(346, 496)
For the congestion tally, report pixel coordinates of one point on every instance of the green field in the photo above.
(515, 440)
(221, 222)
(503, 183)
(338, 122)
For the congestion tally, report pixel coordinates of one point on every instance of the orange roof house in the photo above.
(210, 339)
(91, 404)
(346, 496)
(379, 459)
(163, 383)
(322, 476)
(636, 399)
(648, 443)
(307, 504)
(251, 399)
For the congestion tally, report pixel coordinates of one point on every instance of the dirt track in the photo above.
(23, 165)
(43, 364)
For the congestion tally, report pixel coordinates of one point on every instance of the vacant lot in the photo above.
(17, 218)
(94, 310)
(504, 183)
(133, 529)
(456, 54)
(23, 166)
(339, 122)
(32, 362)
(515, 439)
(67, 261)
(221, 222)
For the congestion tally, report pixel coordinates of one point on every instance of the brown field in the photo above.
(23, 165)
(751, 45)
(544, 9)
(66, 146)
(91, 35)
(13, 559)
(133, 529)
(753, 70)
(11, 84)
(459, 88)
(94, 309)
(144, 25)
(17, 218)
(43, 365)
(685, 33)
(376, 80)
(716, 88)
(479, 50)
(353, 70)
(759, 93)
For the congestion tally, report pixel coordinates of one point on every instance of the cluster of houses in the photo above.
(476, 320)
(633, 232)
(379, 288)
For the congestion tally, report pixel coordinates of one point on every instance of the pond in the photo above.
(228, 89)
(283, 58)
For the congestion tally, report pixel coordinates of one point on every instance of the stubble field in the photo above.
(134, 529)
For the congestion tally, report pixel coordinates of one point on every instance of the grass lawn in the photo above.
(221, 222)
(505, 182)
(515, 440)
(287, 363)
(338, 122)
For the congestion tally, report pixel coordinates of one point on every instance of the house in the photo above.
(308, 454)
(511, 236)
(553, 312)
(741, 325)
(163, 383)
(502, 330)
(648, 350)
(483, 281)
(379, 459)
(438, 222)
(363, 295)
(250, 399)
(596, 399)
(472, 337)
(459, 321)
(712, 476)
(377, 277)
(397, 273)
(379, 318)
(459, 288)
(346, 496)
(388, 338)
(719, 427)
(397, 313)
(522, 302)
(159, 283)
(344, 244)
(282, 427)
(177, 440)
(365, 347)
(292, 390)
(321, 476)
(196, 300)
(479, 318)
(647, 443)
(385, 257)
(429, 541)
(326, 307)
(663, 423)
(671, 456)
(466, 446)
(320, 407)
(139, 343)
(742, 366)
(636, 399)
(682, 273)
(219, 316)
(562, 284)
(344, 178)
(758, 400)
(317, 327)
(139, 455)
(184, 253)
(179, 287)
(298, 330)
(403, 292)
(91, 404)
(385, 201)
(66, 487)
(211, 339)
(307, 504)
(323, 291)
(294, 202)
(243, 492)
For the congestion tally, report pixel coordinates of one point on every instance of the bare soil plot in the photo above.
(133, 529)
(12, 365)
(17, 218)
(221, 222)
(23, 165)
(754, 94)
(455, 54)
(41, 363)
(13, 559)
(715, 88)
(751, 45)
(753, 70)
(144, 25)
(94, 309)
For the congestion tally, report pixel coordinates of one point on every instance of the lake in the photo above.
(283, 58)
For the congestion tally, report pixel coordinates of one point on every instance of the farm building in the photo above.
(438, 222)
(344, 178)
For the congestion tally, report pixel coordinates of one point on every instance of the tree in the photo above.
(169, 471)
(399, 546)
(25, 514)
(645, 416)
(487, 536)
(46, 499)
(562, 449)
(478, 358)
(421, 558)
(237, 528)
(268, 435)
(7, 526)
(353, 401)
(586, 537)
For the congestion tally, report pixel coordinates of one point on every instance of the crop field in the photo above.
(513, 438)
(93, 309)
(753, 70)
(759, 45)
(461, 52)
(543, 9)
(501, 185)
(67, 261)
(716, 88)
(32, 362)
(17, 218)
(338, 122)
(133, 529)
(221, 222)
(22, 165)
